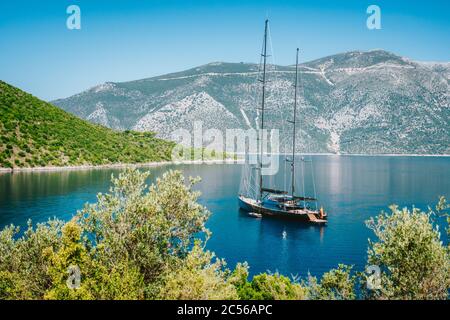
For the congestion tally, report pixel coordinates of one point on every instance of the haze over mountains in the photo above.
(355, 102)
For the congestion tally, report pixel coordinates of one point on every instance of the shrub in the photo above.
(138, 235)
(266, 286)
(121, 281)
(152, 226)
(414, 263)
(22, 264)
(199, 277)
(336, 284)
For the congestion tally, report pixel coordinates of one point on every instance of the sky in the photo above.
(124, 40)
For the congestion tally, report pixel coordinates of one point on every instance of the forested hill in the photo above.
(35, 133)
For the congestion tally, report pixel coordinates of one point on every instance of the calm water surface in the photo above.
(352, 189)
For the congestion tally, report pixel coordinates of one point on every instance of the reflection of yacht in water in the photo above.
(273, 202)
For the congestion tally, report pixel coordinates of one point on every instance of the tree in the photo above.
(23, 268)
(152, 227)
(97, 281)
(200, 276)
(442, 210)
(336, 284)
(266, 286)
(414, 264)
(124, 245)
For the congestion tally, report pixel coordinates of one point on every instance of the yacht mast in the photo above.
(293, 131)
(261, 133)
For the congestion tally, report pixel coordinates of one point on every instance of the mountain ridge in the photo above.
(356, 102)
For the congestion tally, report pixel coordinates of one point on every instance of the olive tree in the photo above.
(336, 284)
(413, 261)
(125, 244)
(201, 276)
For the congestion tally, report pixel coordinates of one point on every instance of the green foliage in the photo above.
(442, 208)
(23, 267)
(182, 153)
(266, 286)
(152, 226)
(336, 284)
(199, 277)
(100, 281)
(30, 127)
(125, 245)
(414, 263)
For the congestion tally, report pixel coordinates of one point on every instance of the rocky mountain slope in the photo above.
(355, 102)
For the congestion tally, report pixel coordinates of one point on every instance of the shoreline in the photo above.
(117, 166)
(163, 163)
(365, 155)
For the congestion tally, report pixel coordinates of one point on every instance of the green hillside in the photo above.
(35, 133)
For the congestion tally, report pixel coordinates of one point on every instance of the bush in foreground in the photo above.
(413, 261)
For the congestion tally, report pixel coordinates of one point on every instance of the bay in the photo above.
(351, 189)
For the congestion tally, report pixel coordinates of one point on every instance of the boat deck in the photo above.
(307, 215)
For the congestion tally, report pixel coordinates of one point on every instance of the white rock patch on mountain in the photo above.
(99, 115)
(198, 107)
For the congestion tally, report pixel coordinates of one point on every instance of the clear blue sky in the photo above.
(123, 40)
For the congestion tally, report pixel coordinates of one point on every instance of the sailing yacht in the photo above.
(270, 201)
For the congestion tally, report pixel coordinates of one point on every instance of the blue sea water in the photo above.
(351, 189)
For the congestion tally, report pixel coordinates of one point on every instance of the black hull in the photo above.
(278, 213)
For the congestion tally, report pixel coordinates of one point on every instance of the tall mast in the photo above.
(293, 131)
(264, 55)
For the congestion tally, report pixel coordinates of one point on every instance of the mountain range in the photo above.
(372, 102)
